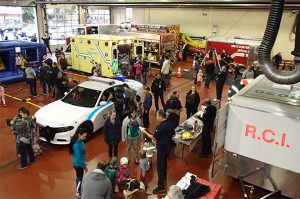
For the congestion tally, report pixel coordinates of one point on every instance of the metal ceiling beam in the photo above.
(184, 4)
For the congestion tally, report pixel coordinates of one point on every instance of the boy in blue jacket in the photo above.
(147, 106)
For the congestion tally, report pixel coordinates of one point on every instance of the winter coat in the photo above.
(123, 174)
(112, 132)
(138, 68)
(147, 101)
(79, 155)
(158, 86)
(44, 75)
(21, 129)
(192, 100)
(96, 185)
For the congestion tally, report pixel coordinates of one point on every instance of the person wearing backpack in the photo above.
(131, 134)
(21, 128)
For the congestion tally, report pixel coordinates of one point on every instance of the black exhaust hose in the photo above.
(296, 51)
(264, 51)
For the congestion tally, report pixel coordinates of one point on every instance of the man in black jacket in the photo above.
(208, 120)
(192, 102)
(173, 108)
(158, 87)
(209, 70)
(46, 40)
(220, 81)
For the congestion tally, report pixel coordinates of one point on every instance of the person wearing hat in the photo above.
(123, 174)
(111, 171)
(96, 184)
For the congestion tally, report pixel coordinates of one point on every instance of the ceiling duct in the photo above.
(290, 4)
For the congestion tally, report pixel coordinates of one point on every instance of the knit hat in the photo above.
(113, 162)
(175, 192)
(123, 161)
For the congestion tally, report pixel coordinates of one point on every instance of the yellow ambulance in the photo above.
(85, 51)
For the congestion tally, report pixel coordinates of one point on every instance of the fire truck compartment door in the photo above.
(264, 136)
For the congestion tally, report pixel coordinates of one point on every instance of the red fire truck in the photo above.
(243, 50)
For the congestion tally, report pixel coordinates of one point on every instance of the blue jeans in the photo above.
(25, 150)
(144, 74)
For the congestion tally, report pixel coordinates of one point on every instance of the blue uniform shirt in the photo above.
(163, 135)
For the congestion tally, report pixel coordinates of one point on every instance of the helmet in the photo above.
(123, 161)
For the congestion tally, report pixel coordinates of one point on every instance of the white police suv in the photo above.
(85, 105)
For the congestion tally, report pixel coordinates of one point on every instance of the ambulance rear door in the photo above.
(114, 59)
(139, 49)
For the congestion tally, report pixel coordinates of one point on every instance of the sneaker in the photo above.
(31, 163)
(20, 167)
(20, 88)
(159, 190)
(4, 105)
(116, 189)
(44, 94)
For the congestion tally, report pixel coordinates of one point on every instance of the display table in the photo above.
(196, 133)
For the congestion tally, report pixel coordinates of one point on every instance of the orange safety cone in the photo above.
(178, 74)
(194, 63)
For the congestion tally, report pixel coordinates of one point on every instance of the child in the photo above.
(147, 106)
(123, 174)
(2, 97)
(111, 172)
(139, 107)
(199, 77)
(144, 165)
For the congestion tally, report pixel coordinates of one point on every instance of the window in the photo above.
(98, 16)
(128, 13)
(63, 21)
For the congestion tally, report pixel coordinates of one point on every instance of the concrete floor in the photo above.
(53, 176)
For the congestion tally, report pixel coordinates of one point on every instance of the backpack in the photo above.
(133, 130)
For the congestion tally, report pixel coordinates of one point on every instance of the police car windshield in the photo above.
(83, 97)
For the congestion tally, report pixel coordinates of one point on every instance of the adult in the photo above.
(96, 184)
(124, 65)
(46, 40)
(131, 134)
(53, 72)
(223, 58)
(33, 38)
(61, 86)
(210, 71)
(138, 71)
(21, 127)
(77, 149)
(173, 108)
(18, 62)
(31, 79)
(192, 102)
(158, 87)
(185, 50)
(257, 69)
(277, 59)
(45, 78)
(62, 62)
(112, 133)
(248, 73)
(208, 120)
(47, 60)
(220, 81)
(165, 70)
(145, 69)
(164, 144)
(197, 68)
(2, 33)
